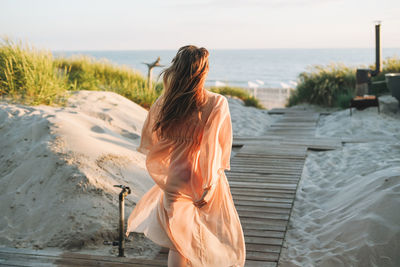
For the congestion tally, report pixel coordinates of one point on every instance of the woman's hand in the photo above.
(201, 202)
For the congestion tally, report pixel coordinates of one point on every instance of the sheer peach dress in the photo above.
(191, 158)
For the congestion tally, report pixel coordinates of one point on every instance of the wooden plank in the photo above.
(249, 225)
(277, 210)
(263, 215)
(244, 176)
(275, 156)
(25, 260)
(277, 111)
(262, 190)
(268, 222)
(251, 263)
(261, 256)
(263, 240)
(263, 180)
(265, 176)
(267, 163)
(267, 160)
(264, 233)
(258, 175)
(74, 258)
(263, 248)
(266, 166)
(258, 198)
(239, 192)
(231, 174)
(262, 208)
(271, 149)
(262, 185)
(267, 171)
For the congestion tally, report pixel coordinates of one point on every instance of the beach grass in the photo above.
(28, 75)
(240, 93)
(334, 85)
(86, 73)
(31, 76)
(34, 77)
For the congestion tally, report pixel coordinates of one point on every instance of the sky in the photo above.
(214, 24)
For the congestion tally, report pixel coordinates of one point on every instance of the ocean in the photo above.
(264, 68)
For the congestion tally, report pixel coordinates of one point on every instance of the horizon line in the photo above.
(214, 49)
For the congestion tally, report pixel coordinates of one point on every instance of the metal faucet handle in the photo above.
(123, 187)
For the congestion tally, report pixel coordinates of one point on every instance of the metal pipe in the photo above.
(121, 242)
(378, 50)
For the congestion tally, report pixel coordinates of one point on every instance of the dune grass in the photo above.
(33, 77)
(240, 93)
(323, 85)
(28, 75)
(86, 73)
(334, 85)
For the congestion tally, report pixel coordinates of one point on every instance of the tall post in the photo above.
(378, 50)
(121, 242)
(150, 67)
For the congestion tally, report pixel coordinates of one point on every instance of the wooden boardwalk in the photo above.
(263, 178)
(45, 258)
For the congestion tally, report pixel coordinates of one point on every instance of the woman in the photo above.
(187, 137)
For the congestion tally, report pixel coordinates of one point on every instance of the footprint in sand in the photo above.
(97, 129)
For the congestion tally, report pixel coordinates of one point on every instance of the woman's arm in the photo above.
(215, 149)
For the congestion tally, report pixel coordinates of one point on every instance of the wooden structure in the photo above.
(150, 67)
(263, 178)
(363, 102)
(44, 258)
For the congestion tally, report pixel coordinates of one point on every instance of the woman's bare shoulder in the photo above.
(216, 100)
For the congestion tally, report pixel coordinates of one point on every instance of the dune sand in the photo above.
(347, 208)
(59, 164)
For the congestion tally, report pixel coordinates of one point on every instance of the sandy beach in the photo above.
(59, 164)
(346, 211)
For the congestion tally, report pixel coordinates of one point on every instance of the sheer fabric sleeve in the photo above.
(149, 137)
(216, 144)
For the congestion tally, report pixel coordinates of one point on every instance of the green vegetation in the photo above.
(239, 93)
(29, 76)
(85, 73)
(390, 65)
(334, 85)
(34, 77)
(323, 85)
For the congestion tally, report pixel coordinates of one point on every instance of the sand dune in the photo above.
(59, 164)
(347, 209)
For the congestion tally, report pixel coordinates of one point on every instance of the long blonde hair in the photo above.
(183, 84)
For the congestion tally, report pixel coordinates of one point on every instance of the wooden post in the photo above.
(150, 68)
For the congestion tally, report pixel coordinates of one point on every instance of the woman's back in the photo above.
(187, 137)
(175, 157)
